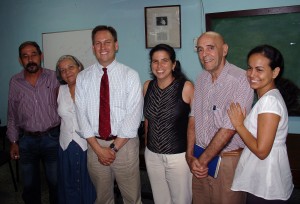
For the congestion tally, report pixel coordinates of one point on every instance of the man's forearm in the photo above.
(219, 141)
(191, 137)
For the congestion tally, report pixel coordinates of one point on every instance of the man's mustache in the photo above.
(31, 64)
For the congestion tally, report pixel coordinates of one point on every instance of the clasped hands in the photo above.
(106, 156)
(198, 169)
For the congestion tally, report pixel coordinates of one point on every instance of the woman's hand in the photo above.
(236, 114)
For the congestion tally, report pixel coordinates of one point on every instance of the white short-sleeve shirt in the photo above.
(270, 178)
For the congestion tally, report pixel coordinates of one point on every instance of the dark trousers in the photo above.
(33, 151)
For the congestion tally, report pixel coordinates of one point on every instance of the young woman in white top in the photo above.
(74, 184)
(263, 170)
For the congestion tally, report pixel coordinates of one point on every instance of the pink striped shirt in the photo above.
(32, 108)
(212, 101)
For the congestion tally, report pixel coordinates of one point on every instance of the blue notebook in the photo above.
(213, 165)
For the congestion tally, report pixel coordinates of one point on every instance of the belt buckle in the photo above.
(109, 138)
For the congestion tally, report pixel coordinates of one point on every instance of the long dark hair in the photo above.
(289, 91)
(273, 54)
(177, 73)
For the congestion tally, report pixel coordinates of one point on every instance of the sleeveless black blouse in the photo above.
(167, 116)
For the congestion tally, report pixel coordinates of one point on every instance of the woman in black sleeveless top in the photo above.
(168, 99)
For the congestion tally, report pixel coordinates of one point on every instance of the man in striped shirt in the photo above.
(219, 84)
(33, 123)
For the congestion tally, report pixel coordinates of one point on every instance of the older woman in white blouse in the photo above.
(74, 182)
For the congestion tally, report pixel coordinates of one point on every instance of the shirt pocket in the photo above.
(218, 118)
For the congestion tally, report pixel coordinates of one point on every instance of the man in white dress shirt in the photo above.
(116, 157)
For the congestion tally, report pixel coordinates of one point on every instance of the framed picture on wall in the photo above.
(163, 25)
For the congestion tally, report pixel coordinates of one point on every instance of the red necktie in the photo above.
(104, 114)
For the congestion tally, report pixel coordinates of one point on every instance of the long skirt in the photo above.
(74, 183)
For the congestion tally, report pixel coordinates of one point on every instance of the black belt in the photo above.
(39, 133)
(109, 138)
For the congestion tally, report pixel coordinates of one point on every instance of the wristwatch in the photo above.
(113, 147)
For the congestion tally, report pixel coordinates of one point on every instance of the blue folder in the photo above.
(213, 165)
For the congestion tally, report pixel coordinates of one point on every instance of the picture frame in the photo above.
(163, 25)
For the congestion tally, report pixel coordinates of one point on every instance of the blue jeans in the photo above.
(33, 150)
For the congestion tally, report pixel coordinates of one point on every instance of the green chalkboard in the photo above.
(243, 30)
(279, 27)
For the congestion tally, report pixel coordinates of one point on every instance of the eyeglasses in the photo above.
(69, 68)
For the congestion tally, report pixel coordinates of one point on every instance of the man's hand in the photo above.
(14, 151)
(198, 170)
(106, 156)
